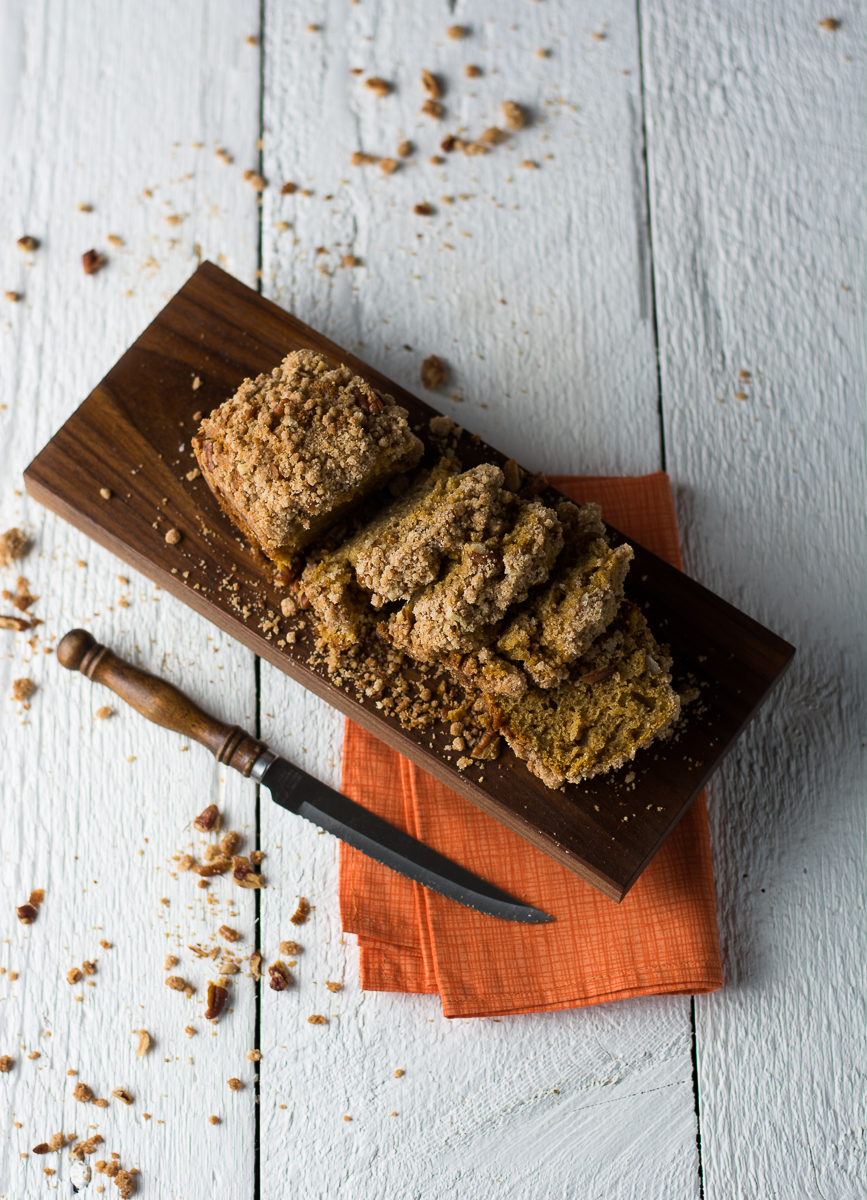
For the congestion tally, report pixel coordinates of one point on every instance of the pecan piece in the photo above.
(431, 85)
(280, 977)
(26, 913)
(6, 1063)
(92, 261)
(228, 934)
(122, 1094)
(217, 997)
(488, 745)
(256, 964)
(217, 866)
(42, 1148)
(144, 1043)
(366, 398)
(208, 819)
(244, 875)
(28, 243)
(73, 975)
(512, 475)
(301, 913)
(16, 623)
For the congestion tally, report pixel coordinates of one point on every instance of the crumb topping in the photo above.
(294, 446)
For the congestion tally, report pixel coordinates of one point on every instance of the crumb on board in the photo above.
(104, 712)
(289, 947)
(377, 85)
(228, 934)
(433, 374)
(82, 1093)
(514, 116)
(254, 1055)
(214, 1120)
(92, 261)
(457, 32)
(400, 1071)
(6, 1063)
(317, 1019)
(235, 1084)
(144, 1043)
(333, 986)
(301, 913)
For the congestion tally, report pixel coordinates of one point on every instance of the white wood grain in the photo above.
(99, 102)
(757, 178)
(567, 371)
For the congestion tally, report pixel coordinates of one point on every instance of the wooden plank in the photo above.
(113, 470)
(757, 190)
(98, 103)
(477, 1113)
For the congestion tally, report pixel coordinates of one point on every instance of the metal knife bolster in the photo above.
(262, 763)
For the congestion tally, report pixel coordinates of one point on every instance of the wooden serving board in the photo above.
(126, 437)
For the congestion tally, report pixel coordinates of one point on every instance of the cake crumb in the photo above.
(830, 24)
(235, 1084)
(173, 536)
(254, 1055)
(513, 115)
(104, 712)
(332, 986)
(105, 493)
(289, 948)
(400, 1071)
(214, 1120)
(14, 544)
(301, 913)
(144, 1043)
(82, 1093)
(317, 1019)
(6, 1063)
(380, 87)
(457, 32)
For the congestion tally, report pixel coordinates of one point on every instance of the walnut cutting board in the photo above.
(125, 436)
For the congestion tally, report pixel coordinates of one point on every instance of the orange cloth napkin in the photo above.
(662, 938)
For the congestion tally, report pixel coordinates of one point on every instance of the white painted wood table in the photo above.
(694, 214)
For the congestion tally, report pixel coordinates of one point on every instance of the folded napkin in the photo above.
(662, 938)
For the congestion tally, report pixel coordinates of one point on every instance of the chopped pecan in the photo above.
(6, 1063)
(144, 1043)
(92, 261)
(280, 977)
(229, 934)
(217, 997)
(26, 913)
(365, 397)
(89, 968)
(317, 1019)
(16, 623)
(28, 243)
(208, 819)
(256, 964)
(42, 1148)
(122, 1094)
(488, 745)
(289, 948)
(73, 975)
(217, 866)
(301, 913)
(244, 875)
(37, 896)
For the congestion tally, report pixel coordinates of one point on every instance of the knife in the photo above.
(290, 787)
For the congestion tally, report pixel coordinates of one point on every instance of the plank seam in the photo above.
(694, 1055)
(652, 266)
(257, 671)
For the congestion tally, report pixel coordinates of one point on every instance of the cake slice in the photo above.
(617, 700)
(578, 602)
(293, 451)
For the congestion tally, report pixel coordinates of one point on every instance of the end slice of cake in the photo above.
(618, 699)
(293, 451)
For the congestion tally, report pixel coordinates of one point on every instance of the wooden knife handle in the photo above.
(159, 701)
